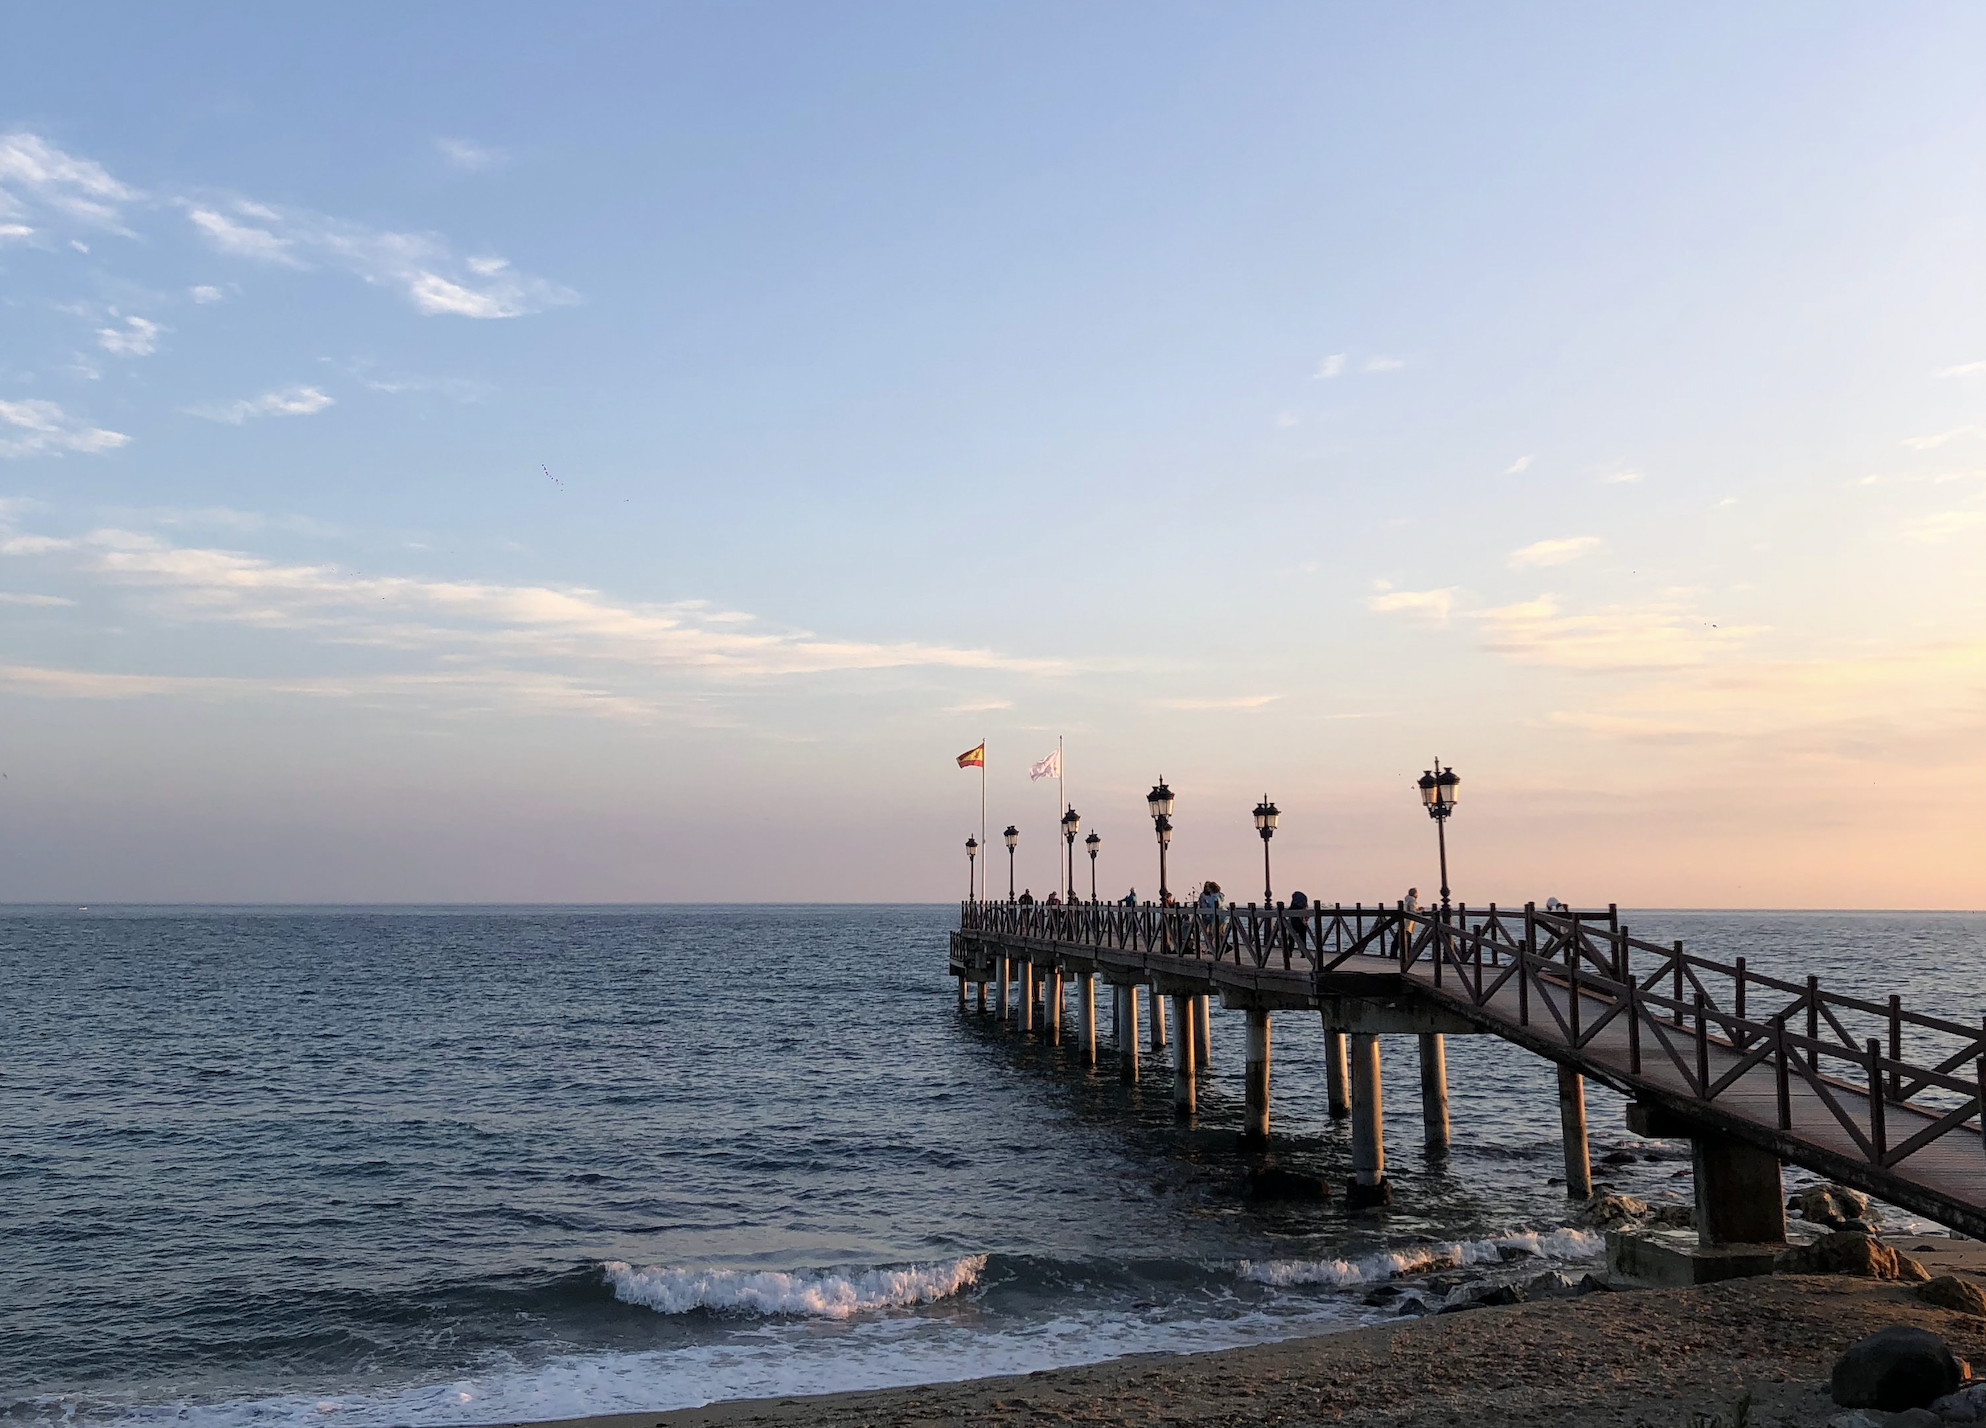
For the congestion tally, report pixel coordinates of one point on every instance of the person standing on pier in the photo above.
(1131, 898)
(1412, 901)
(1299, 904)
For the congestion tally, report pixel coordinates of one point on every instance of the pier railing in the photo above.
(1574, 978)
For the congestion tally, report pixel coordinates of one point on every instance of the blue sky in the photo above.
(626, 452)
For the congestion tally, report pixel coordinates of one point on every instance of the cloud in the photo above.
(1659, 635)
(1621, 478)
(1330, 367)
(1429, 604)
(469, 157)
(1942, 526)
(42, 185)
(1963, 369)
(137, 338)
(10, 598)
(423, 267)
(1554, 552)
(1518, 467)
(1384, 364)
(1931, 443)
(206, 293)
(977, 706)
(513, 630)
(1240, 701)
(290, 401)
(1285, 420)
(41, 428)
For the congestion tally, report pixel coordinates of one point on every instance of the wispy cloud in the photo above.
(1384, 364)
(137, 338)
(423, 267)
(977, 706)
(8, 597)
(1963, 369)
(503, 631)
(1621, 478)
(1554, 552)
(290, 401)
(42, 187)
(1658, 635)
(1427, 604)
(1518, 467)
(1932, 443)
(36, 427)
(206, 293)
(1330, 367)
(1943, 526)
(1239, 701)
(471, 158)
(1285, 420)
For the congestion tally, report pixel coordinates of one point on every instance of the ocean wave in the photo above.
(822, 1294)
(1560, 1244)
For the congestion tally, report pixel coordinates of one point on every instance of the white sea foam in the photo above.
(822, 1294)
(1560, 1244)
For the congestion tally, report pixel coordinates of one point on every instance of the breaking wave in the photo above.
(1560, 1244)
(823, 1294)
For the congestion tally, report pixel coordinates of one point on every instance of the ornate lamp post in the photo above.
(1159, 801)
(1013, 836)
(1266, 814)
(1091, 843)
(971, 864)
(1438, 787)
(1071, 824)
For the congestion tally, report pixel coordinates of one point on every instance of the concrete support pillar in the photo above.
(1368, 1185)
(1434, 1090)
(1055, 1005)
(1185, 1088)
(1202, 1032)
(1255, 1120)
(982, 996)
(1127, 1035)
(1004, 1007)
(961, 993)
(1337, 1088)
(1027, 997)
(1086, 1016)
(1572, 1125)
(1739, 1196)
(1158, 1020)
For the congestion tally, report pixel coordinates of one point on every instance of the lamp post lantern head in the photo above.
(1437, 786)
(1159, 800)
(1012, 835)
(1071, 821)
(971, 846)
(1266, 814)
(1091, 843)
(1445, 784)
(1164, 827)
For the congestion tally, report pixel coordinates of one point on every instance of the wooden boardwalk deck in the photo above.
(1710, 1045)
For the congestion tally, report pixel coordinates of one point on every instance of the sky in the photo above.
(627, 452)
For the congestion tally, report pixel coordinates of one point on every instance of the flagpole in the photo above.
(983, 851)
(1062, 792)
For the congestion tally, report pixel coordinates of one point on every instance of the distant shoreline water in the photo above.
(462, 1164)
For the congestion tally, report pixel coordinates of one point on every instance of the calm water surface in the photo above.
(351, 1167)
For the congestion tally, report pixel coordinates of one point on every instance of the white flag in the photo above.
(1050, 767)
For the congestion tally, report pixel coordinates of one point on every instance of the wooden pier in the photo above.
(1754, 1070)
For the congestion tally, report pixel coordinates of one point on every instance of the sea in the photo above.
(461, 1165)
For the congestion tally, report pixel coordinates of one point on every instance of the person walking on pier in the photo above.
(1027, 897)
(1299, 904)
(1412, 901)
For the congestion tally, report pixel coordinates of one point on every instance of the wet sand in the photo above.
(1604, 1360)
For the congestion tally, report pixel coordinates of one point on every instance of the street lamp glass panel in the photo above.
(1159, 800)
(1091, 842)
(1427, 787)
(1446, 785)
(1012, 835)
(1070, 822)
(1164, 826)
(1266, 814)
(971, 846)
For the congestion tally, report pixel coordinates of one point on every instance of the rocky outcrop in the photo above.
(1894, 1369)
(1611, 1212)
(1835, 1206)
(1850, 1252)
(1948, 1291)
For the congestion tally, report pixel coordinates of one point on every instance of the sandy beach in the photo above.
(1626, 1359)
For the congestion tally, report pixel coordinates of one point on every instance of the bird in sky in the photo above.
(550, 477)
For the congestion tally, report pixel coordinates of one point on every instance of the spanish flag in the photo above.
(973, 758)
